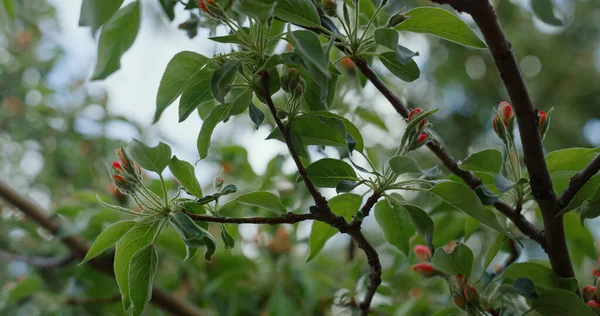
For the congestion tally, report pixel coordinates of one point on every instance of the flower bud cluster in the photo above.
(126, 174)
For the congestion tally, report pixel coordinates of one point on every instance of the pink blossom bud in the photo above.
(422, 252)
(424, 269)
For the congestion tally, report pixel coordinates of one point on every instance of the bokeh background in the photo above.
(58, 130)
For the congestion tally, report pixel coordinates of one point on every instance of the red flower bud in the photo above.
(119, 178)
(459, 301)
(470, 294)
(288, 47)
(422, 252)
(414, 113)
(424, 269)
(588, 292)
(348, 64)
(542, 119)
(596, 273)
(506, 113)
(460, 281)
(422, 138)
(122, 158)
(117, 165)
(595, 306)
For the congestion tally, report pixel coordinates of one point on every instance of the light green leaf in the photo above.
(541, 276)
(404, 164)
(348, 126)
(460, 260)
(241, 101)
(24, 288)
(94, 13)
(218, 114)
(493, 250)
(570, 158)
(150, 158)
(471, 225)
(487, 160)
(263, 199)
(196, 93)
(345, 205)
(389, 38)
(138, 237)
(258, 10)
(116, 38)
(409, 72)
(440, 23)
(371, 117)
(142, 270)
(181, 70)
(395, 224)
(326, 173)
(185, 175)
(308, 46)
(107, 238)
(464, 199)
(192, 234)
(222, 78)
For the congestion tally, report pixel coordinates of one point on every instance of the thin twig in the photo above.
(42, 262)
(578, 181)
(79, 249)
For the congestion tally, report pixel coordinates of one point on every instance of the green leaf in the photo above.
(196, 93)
(544, 10)
(241, 101)
(584, 193)
(464, 199)
(326, 173)
(541, 276)
(94, 13)
(150, 158)
(22, 289)
(308, 46)
(138, 237)
(493, 250)
(185, 175)
(345, 205)
(227, 239)
(409, 72)
(441, 23)
(557, 302)
(256, 115)
(570, 158)
(395, 224)
(263, 199)
(590, 208)
(348, 126)
(471, 226)
(258, 10)
(142, 270)
(168, 7)
(222, 78)
(300, 12)
(193, 235)
(181, 70)
(488, 160)
(371, 117)
(218, 114)
(107, 238)
(389, 38)
(322, 131)
(404, 164)
(447, 311)
(526, 288)
(460, 260)
(116, 38)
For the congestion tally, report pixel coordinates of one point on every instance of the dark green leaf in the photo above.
(168, 7)
(460, 260)
(227, 239)
(256, 115)
(409, 72)
(222, 78)
(488, 160)
(185, 175)
(389, 38)
(308, 46)
(544, 10)
(196, 93)
(590, 208)
(541, 276)
(326, 173)
(193, 235)
(218, 114)
(107, 238)
(526, 288)
(347, 186)
(116, 38)
(263, 199)
(241, 101)
(94, 13)
(441, 23)
(150, 158)
(493, 250)
(258, 10)
(142, 270)
(557, 302)
(486, 196)
(395, 224)
(404, 164)
(300, 12)
(181, 70)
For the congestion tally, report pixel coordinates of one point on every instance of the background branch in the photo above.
(289, 218)
(161, 298)
(38, 261)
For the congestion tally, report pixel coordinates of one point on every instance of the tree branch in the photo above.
(289, 218)
(578, 181)
(42, 262)
(321, 210)
(79, 249)
(526, 227)
(541, 185)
